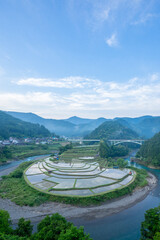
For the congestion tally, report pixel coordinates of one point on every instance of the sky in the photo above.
(86, 58)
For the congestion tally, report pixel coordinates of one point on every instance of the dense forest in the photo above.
(150, 227)
(112, 130)
(13, 127)
(106, 151)
(55, 227)
(149, 153)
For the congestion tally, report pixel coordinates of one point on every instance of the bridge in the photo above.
(119, 141)
(84, 140)
(112, 141)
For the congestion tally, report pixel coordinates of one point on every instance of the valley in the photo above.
(89, 179)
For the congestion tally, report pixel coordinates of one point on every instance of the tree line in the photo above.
(149, 153)
(54, 227)
(107, 151)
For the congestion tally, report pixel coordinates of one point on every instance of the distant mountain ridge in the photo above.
(145, 126)
(71, 127)
(14, 127)
(77, 120)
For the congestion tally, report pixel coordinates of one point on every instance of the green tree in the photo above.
(7, 152)
(150, 228)
(11, 237)
(121, 163)
(55, 227)
(104, 150)
(4, 222)
(157, 236)
(51, 227)
(65, 148)
(119, 150)
(73, 233)
(24, 228)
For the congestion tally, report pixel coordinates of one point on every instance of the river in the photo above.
(126, 224)
(121, 226)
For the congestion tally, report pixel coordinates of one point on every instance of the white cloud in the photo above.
(68, 82)
(137, 96)
(155, 77)
(144, 18)
(112, 41)
(110, 14)
(103, 15)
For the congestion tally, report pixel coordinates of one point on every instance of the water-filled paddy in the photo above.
(36, 178)
(83, 192)
(45, 185)
(75, 178)
(93, 182)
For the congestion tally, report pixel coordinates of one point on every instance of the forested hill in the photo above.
(112, 130)
(13, 127)
(150, 151)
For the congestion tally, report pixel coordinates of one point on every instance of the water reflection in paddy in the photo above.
(93, 182)
(77, 175)
(83, 192)
(36, 178)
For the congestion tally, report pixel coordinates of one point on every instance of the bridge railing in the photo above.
(119, 141)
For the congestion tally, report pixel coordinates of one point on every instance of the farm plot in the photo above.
(78, 177)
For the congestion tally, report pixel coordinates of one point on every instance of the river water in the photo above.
(18, 162)
(126, 224)
(121, 226)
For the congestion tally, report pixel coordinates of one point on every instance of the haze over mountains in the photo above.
(13, 127)
(71, 127)
(145, 126)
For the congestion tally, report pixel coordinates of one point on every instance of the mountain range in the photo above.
(71, 127)
(145, 126)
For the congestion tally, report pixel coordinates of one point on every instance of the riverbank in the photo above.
(17, 152)
(69, 211)
(144, 164)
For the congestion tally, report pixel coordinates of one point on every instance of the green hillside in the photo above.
(13, 127)
(112, 130)
(150, 151)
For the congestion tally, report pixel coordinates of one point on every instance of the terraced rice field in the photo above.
(77, 177)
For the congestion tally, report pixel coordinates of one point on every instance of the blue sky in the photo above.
(60, 58)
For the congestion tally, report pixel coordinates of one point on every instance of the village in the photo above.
(23, 141)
